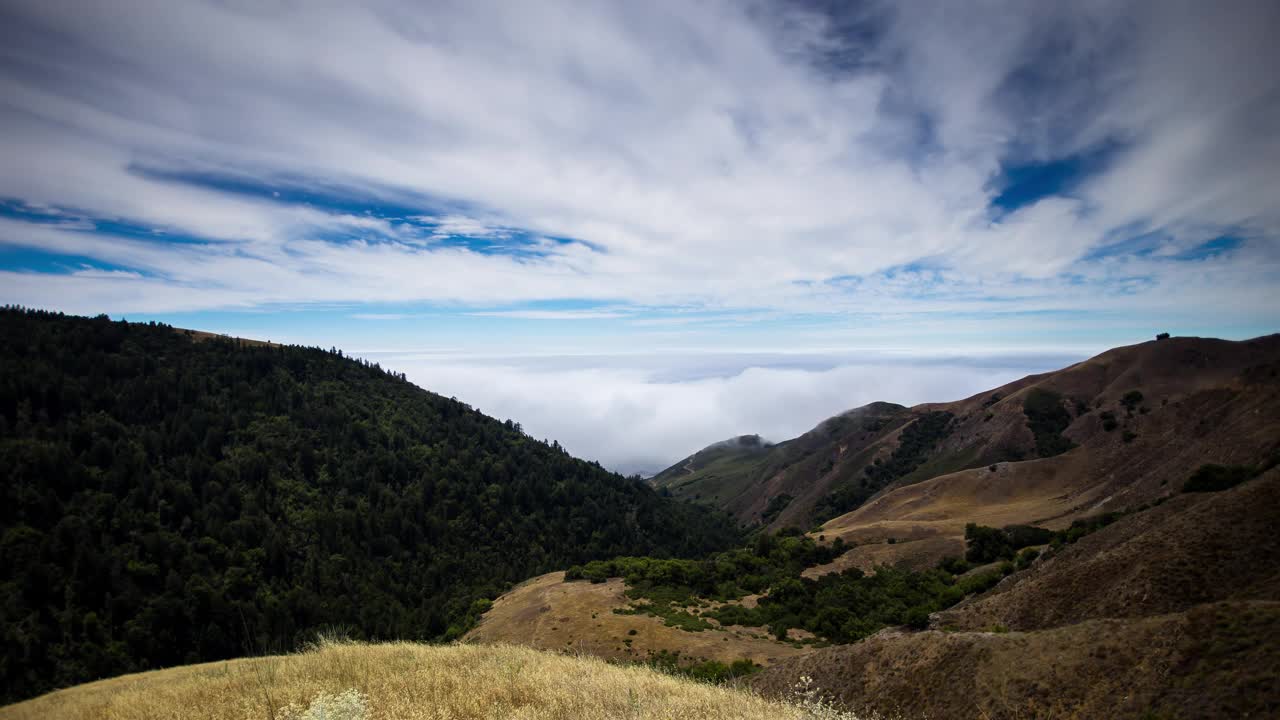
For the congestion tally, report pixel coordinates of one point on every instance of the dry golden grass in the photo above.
(404, 680)
(550, 614)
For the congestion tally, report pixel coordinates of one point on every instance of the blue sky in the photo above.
(614, 202)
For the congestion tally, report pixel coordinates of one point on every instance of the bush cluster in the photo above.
(987, 544)
(915, 443)
(1214, 478)
(1047, 417)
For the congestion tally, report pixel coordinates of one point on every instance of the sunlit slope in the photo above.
(549, 613)
(401, 682)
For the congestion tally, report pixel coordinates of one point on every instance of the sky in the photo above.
(639, 228)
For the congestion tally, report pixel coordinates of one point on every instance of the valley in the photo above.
(1038, 549)
(1097, 455)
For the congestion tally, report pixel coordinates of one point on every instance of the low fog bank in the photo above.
(643, 413)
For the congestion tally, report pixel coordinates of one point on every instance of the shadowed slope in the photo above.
(1173, 610)
(1215, 661)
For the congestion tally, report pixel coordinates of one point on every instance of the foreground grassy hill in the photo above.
(404, 681)
(169, 498)
(1107, 433)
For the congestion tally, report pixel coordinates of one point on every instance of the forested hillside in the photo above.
(168, 499)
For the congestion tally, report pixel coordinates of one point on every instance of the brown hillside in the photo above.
(1195, 548)
(1172, 611)
(1214, 661)
(1202, 400)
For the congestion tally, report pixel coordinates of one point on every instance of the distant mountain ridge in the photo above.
(1108, 406)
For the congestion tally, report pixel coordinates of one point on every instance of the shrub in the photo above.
(917, 440)
(1131, 400)
(1026, 557)
(1109, 421)
(776, 505)
(1021, 536)
(1213, 478)
(985, 544)
(917, 618)
(1047, 418)
(988, 544)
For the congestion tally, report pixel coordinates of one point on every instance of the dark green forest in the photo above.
(171, 499)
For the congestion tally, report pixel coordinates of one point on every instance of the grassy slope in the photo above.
(548, 613)
(1193, 549)
(1214, 661)
(403, 681)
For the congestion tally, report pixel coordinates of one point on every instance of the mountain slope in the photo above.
(1214, 661)
(1195, 548)
(166, 500)
(1142, 418)
(1175, 606)
(1173, 611)
(1118, 424)
(779, 485)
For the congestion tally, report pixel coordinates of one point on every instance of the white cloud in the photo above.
(630, 419)
(698, 148)
(552, 314)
